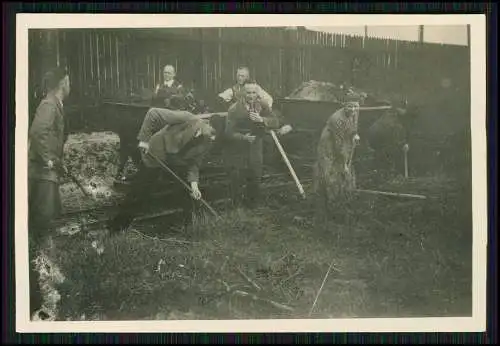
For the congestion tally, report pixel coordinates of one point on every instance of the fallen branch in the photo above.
(395, 194)
(250, 281)
(173, 240)
(254, 297)
(321, 288)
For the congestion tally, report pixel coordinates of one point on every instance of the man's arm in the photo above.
(230, 130)
(42, 133)
(193, 173)
(271, 121)
(264, 96)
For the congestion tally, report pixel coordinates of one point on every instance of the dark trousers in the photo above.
(244, 187)
(44, 203)
(145, 183)
(245, 171)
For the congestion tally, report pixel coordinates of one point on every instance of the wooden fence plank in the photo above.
(280, 60)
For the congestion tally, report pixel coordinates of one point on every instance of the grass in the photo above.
(394, 258)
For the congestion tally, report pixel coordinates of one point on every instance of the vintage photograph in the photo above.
(249, 173)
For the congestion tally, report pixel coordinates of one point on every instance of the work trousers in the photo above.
(245, 169)
(44, 205)
(143, 184)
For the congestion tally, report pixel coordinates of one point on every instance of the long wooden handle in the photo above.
(164, 166)
(290, 168)
(395, 194)
(406, 163)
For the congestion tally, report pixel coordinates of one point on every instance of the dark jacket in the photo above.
(177, 146)
(157, 118)
(47, 135)
(164, 93)
(237, 150)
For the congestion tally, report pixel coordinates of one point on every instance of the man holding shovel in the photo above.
(47, 136)
(246, 126)
(178, 140)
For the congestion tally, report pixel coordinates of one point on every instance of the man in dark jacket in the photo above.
(168, 89)
(180, 140)
(47, 136)
(246, 126)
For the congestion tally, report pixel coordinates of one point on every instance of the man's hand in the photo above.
(256, 117)
(144, 147)
(50, 164)
(356, 139)
(196, 193)
(346, 168)
(249, 138)
(284, 130)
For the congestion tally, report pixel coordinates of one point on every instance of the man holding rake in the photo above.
(176, 141)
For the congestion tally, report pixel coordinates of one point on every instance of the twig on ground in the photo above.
(254, 297)
(394, 194)
(321, 288)
(291, 276)
(250, 281)
(173, 240)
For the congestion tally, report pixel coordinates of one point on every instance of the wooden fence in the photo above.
(115, 63)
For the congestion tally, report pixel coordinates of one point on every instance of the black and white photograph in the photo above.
(239, 173)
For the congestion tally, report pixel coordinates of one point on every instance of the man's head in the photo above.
(251, 92)
(57, 81)
(205, 130)
(242, 75)
(351, 107)
(351, 104)
(168, 73)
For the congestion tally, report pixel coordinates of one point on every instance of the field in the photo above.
(387, 257)
(390, 257)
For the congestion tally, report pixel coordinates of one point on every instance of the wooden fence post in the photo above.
(287, 60)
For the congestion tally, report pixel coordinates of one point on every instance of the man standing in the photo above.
(237, 92)
(180, 140)
(47, 136)
(169, 88)
(246, 126)
(334, 176)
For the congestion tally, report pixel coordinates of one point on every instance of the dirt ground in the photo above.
(392, 257)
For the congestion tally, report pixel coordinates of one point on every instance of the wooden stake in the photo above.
(405, 150)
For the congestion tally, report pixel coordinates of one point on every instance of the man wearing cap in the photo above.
(47, 136)
(246, 126)
(334, 175)
(181, 140)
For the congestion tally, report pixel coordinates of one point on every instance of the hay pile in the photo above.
(318, 91)
(329, 92)
(92, 159)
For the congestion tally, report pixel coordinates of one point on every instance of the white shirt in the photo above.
(227, 95)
